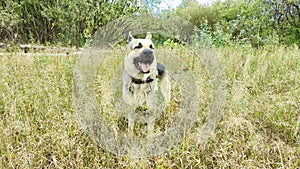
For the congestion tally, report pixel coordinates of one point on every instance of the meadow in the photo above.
(39, 128)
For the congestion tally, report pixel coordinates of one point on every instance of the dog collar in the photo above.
(140, 81)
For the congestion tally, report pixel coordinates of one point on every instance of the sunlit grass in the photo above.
(39, 128)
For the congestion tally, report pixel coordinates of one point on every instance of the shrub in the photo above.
(64, 22)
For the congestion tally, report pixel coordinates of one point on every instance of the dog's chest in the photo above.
(143, 89)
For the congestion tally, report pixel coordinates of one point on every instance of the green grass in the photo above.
(39, 128)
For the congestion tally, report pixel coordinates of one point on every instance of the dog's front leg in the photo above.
(131, 122)
(165, 88)
(152, 110)
(150, 128)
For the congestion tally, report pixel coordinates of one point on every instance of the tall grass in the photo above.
(39, 128)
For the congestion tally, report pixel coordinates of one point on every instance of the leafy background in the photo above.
(257, 42)
(71, 23)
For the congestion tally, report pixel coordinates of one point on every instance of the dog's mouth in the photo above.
(144, 60)
(145, 67)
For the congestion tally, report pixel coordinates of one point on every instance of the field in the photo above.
(39, 127)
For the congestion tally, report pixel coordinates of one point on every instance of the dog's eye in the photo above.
(139, 46)
(151, 47)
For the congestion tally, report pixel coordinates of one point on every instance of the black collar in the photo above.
(140, 81)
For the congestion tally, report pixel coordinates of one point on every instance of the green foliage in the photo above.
(197, 14)
(63, 22)
(254, 22)
(286, 13)
(206, 19)
(221, 37)
(261, 22)
(9, 19)
(248, 21)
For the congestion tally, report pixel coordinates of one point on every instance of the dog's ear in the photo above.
(148, 36)
(130, 37)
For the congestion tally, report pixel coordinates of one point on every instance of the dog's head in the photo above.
(141, 53)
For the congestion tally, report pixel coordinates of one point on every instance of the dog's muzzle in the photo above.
(144, 60)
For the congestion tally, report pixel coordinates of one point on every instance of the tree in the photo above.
(287, 16)
(64, 21)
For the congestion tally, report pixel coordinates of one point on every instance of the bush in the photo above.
(246, 21)
(59, 22)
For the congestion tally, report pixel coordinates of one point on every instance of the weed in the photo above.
(39, 129)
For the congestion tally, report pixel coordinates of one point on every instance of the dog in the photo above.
(142, 77)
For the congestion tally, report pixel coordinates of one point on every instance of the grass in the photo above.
(39, 128)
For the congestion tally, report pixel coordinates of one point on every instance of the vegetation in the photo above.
(247, 21)
(257, 42)
(73, 22)
(39, 128)
(58, 22)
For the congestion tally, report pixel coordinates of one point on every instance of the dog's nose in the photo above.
(147, 52)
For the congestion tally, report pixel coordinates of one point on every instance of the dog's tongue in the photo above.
(145, 67)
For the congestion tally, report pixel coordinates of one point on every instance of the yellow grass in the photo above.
(39, 128)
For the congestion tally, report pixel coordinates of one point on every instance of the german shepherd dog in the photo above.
(142, 77)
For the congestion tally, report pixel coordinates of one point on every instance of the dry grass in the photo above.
(39, 128)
